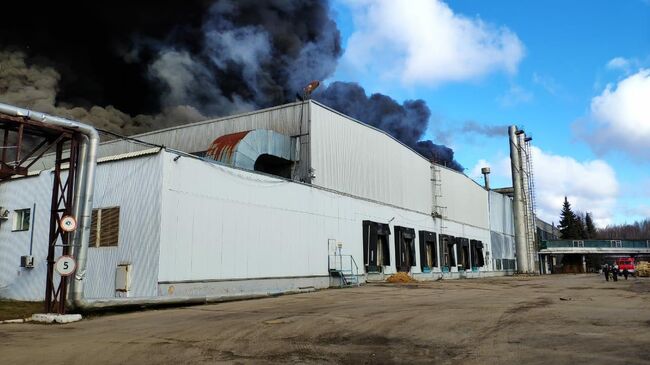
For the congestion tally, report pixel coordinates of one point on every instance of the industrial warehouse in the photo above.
(295, 197)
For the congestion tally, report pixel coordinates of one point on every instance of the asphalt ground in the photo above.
(558, 319)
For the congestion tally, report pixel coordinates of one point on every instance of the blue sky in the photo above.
(539, 65)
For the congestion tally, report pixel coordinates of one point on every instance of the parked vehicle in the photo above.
(625, 263)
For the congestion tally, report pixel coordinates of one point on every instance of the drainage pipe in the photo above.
(83, 191)
(518, 202)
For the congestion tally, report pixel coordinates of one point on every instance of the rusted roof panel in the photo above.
(222, 148)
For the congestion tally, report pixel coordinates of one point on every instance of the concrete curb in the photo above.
(55, 318)
(19, 320)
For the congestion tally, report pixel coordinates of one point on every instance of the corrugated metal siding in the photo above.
(16, 282)
(135, 186)
(501, 218)
(353, 158)
(132, 184)
(465, 201)
(502, 226)
(503, 246)
(219, 223)
(284, 119)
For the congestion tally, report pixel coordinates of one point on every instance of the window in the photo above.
(105, 227)
(22, 217)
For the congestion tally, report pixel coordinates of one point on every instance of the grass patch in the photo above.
(13, 309)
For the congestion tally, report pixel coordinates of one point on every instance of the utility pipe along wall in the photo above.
(83, 190)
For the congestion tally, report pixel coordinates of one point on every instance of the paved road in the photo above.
(563, 319)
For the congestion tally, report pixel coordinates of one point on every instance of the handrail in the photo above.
(338, 266)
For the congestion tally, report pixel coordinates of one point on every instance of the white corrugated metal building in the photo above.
(187, 225)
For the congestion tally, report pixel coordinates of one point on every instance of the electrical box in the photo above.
(27, 261)
(123, 278)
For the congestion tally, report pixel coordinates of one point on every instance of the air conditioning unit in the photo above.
(4, 214)
(27, 261)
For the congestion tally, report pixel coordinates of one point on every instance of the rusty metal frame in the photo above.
(62, 198)
(44, 137)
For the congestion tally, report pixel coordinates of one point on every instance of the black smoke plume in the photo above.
(135, 66)
(407, 122)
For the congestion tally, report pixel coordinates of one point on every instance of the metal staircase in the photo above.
(345, 268)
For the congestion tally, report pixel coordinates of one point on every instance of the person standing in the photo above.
(625, 273)
(615, 272)
(606, 272)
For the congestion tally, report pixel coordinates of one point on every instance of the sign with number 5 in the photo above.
(65, 265)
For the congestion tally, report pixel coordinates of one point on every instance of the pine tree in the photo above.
(590, 227)
(580, 227)
(568, 222)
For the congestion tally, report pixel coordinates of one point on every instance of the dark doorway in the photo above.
(376, 253)
(404, 248)
(273, 165)
(428, 250)
(447, 259)
(463, 253)
(476, 247)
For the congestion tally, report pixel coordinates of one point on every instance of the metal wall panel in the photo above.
(132, 184)
(219, 223)
(501, 214)
(287, 119)
(16, 282)
(135, 186)
(464, 199)
(357, 159)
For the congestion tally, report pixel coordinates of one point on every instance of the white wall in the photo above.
(465, 201)
(357, 159)
(501, 215)
(133, 185)
(17, 282)
(502, 226)
(221, 223)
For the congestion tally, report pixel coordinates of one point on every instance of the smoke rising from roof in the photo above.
(407, 122)
(122, 67)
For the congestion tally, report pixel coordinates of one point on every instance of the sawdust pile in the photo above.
(400, 277)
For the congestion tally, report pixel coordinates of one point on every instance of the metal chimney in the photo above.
(486, 177)
(518, 200)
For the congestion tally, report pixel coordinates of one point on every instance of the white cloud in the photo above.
(475, 172)
(590, 186)
(620, 118)
(618, 63)
(425, 42)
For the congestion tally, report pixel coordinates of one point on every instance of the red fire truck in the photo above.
(625, 263)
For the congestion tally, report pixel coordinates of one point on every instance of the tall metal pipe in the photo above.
(486, 176)
(83, 191)
(518, 202)
(525, 168)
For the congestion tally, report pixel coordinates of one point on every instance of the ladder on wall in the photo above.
(437, 210)
(528, 185)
